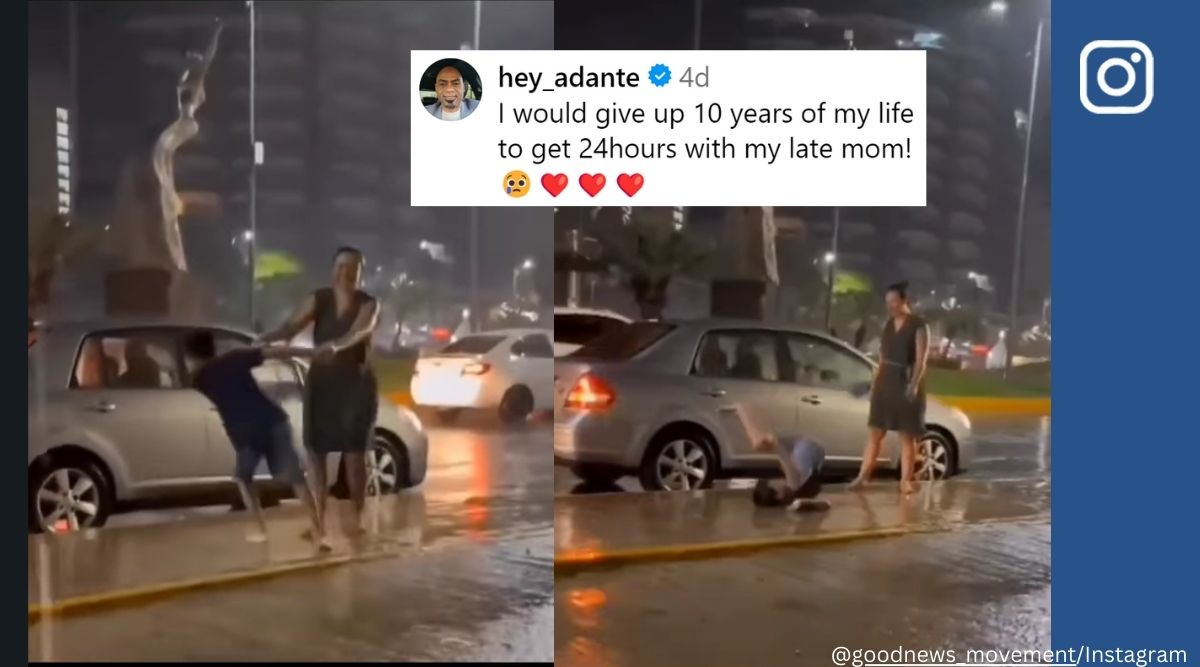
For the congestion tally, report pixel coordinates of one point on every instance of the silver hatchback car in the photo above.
(112, 419)
(657, 399)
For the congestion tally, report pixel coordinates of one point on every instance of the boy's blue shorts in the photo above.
(273, 443)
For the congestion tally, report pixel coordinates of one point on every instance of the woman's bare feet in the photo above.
(858, 484)
(908, 488)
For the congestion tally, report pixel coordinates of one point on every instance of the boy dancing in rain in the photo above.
(258, 428)
(801, 461)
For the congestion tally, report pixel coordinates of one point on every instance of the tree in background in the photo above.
(649, 248)
(280, 282)
(53, 242)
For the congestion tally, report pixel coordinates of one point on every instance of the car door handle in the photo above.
(104, 406)
(715, 392)
(812, 400)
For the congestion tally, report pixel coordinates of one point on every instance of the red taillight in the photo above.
(591, 393)
(478, 368)
(440, 335)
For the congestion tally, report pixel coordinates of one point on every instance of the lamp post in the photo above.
(473, 297)
(527, 265)
(255, 160)
(830, 263)
(1000, 7)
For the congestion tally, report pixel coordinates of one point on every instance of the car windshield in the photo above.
(622, 343)
(579, 328)
(473, 345)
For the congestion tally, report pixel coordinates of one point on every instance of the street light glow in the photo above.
(829, 257)
(248, 235)
(528, 264)
(998, 7)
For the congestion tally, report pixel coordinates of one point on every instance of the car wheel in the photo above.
(516, 404)
(448, 416)
(678, 462)
(68, 495)
(935, 457)
(387, 467)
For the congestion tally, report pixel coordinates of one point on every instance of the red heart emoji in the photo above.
(630, 183)
(591, 183)
(554, 183)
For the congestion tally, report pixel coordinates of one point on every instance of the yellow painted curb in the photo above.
(141, 595)
(975, 405)
(575, 561)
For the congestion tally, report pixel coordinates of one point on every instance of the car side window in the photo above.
(533, 346)
(744, 355)
(819, 363)
(128, 360)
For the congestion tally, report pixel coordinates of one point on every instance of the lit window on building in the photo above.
(63, 152)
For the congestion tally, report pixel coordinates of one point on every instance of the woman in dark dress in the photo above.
(341, 393)
(898, 389)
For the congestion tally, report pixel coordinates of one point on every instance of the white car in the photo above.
(573, 327)
(509, 370)
(113, 421)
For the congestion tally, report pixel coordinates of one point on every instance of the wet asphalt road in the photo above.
(482, 589)
(985, 586)
(980, 588)
(1005, 448)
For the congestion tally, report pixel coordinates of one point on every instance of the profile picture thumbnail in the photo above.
(450, 89)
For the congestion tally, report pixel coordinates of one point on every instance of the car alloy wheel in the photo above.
(383, 468)
(933, 457)
(681, 466)
(69, 499)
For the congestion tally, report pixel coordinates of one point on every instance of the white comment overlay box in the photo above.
(724, 128)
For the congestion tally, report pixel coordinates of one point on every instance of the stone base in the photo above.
(153, 293)
(740, 299)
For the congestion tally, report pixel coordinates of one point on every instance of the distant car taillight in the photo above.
(591, 393)
(478, 368)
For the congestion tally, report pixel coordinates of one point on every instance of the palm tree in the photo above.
(649, 247)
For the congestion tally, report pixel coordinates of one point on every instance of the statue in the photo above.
(190, 93)
(146, 237)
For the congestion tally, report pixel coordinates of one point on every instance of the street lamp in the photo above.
(998, 7)
(830, 262)
(527, 265)
(256, 159)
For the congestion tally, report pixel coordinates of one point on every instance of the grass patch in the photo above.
(394, 373)
(1029, 381)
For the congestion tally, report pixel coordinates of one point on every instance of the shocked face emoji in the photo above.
(516, 184)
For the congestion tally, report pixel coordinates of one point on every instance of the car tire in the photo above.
(674, 456)
(516, 405)
(79, 472)
(945, 457)
(387, 466)
(448, 416)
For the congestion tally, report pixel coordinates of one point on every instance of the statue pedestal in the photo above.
(154, 292)
(740, 299)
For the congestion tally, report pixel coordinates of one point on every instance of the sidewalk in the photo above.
(617, 528)
(112, 567)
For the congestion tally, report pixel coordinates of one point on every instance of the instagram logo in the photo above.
(1116, 76)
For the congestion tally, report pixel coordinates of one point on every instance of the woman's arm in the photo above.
(290, 329)
(922, 360)
(361, 330)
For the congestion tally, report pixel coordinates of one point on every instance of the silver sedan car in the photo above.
(658, 400)
(112, 419)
